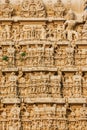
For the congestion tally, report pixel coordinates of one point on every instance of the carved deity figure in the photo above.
(45, 84)
(50, 11)
(50, 33)
(21, 35)
(21, 80)
(4, 89)
(69, 33)
(20, 77)
(25, 8)
(77, 82)
(7, 9)
(36, 111)
(15, 33)
(12, 84)
(70, 54)
(40, 9)
(40, 52)
(33, 8)
(25, 5)
(49, 58)
(11, 55)
(56, 85)
(63, 111)
(6, 32)
(83, 111)
(33, 88)
(59, 112)
(59, 9)
(15, 118)
(15, 112)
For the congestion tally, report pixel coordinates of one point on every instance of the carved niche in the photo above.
(32, 8)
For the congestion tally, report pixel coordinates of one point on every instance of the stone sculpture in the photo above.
(43, 65)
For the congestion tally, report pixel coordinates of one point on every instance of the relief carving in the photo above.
(12, 85)
(70, 54)
(7, 9)
(43, 65)
(69, 25)
(32, 9)
(14, 122)
(11, 55)
(77, 85)
(59, 9)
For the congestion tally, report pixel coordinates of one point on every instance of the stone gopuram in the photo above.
(43, 66)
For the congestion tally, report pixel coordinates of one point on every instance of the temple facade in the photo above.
(43, 66)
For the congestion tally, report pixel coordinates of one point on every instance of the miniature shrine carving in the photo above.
(43, 65)
(32, 9)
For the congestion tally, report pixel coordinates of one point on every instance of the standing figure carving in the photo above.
(6, 32)
(7, 9)
(69, 26)
(12, 84)
(70, 55)
(11, 54)
(14, 123)
(77, 85)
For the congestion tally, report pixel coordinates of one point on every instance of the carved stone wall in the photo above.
(43, 66)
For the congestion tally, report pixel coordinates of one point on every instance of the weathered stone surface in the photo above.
(10, 101)
(43, 65)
